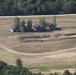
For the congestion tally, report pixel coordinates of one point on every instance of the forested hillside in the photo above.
(36, 7)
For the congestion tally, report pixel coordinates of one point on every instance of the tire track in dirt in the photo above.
(37, 54)
(61, 54)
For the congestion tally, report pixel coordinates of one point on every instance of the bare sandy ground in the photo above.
(38, 15)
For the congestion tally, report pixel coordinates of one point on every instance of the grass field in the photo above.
(46, 64)
(22, 42)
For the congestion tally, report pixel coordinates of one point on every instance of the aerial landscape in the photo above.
(37, 42)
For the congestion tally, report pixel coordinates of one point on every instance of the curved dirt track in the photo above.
(56, 52)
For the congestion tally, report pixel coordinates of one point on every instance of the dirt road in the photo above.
(47, 53)
(38, 15)
(62, 55)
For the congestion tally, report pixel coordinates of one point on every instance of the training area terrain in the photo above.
(46, 51)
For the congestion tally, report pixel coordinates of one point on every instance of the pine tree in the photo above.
(16, 21)
(51, 74)
(55, 73)
(22, 26)
(18, 62)
(29, 25)
(66, 72)
(43, 23)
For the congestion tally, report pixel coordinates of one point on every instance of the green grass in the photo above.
(10, 58)
(49, 67)
(44, 68)
(7, 57)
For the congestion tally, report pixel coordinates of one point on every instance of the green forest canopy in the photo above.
(36, 7)
(18, 69)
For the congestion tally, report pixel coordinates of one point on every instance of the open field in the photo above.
(58, 61)
(42, 42)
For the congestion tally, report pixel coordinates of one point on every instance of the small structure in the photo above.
(51, 27)
(14, 29)
(37, 28)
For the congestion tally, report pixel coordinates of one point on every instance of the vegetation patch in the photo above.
(44, 68)
(45, 46)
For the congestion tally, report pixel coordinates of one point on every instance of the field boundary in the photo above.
(37, 15)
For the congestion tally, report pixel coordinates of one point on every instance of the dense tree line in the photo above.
(36, 7)
(18, 69)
